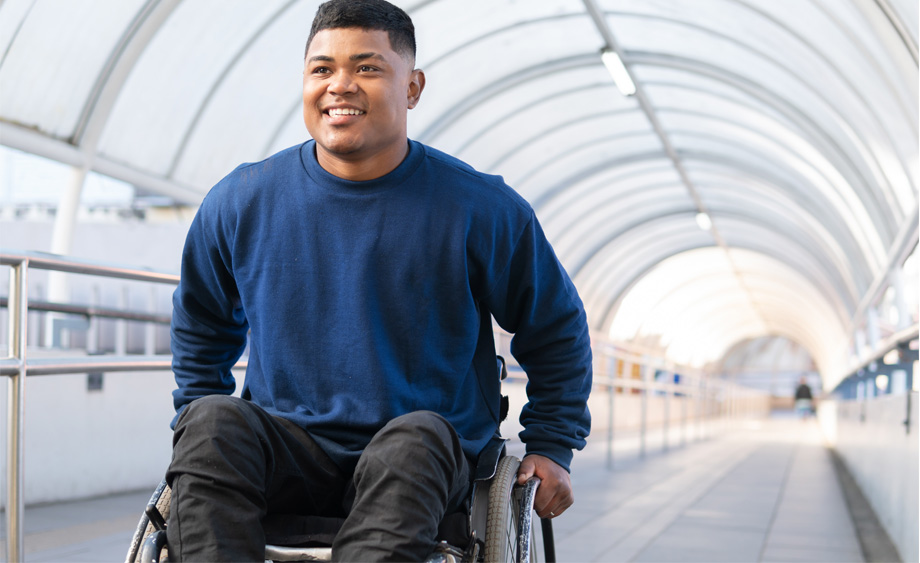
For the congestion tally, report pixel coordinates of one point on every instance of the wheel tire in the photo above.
(162, 505)
(502, 519)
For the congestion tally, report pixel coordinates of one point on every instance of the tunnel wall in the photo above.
(878, 440)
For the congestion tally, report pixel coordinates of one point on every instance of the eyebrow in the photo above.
(357, 57)
(363, 56)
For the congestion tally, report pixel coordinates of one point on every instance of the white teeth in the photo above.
(344, 111)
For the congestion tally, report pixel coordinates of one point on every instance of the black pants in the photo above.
(234, 465)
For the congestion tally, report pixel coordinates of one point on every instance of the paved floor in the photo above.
(765, 491)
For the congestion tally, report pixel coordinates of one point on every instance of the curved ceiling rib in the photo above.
(620, 271)
(596, 195)
(567, 187)
(110, 80)
(592, 239)
(450, 115)
(222, 76)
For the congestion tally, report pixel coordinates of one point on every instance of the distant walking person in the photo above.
(803, 398)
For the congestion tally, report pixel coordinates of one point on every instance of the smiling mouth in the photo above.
(341, 112)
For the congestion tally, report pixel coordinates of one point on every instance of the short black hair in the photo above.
(369, 15)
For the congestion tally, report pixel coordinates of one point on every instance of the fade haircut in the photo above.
(376, 15)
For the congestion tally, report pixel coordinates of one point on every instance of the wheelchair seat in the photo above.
(497, 527)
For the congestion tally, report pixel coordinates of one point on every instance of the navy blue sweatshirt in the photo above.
(368, 300)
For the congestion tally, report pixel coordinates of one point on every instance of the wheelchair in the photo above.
(498, 527)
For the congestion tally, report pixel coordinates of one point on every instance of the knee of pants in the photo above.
(212, 410)
(414, 437)
(210, 421)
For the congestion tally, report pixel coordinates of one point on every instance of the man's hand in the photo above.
(554, 494)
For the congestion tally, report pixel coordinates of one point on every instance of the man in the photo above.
(366, 269)
(804, 401)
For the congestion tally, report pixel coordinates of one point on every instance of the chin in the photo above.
(340, 148)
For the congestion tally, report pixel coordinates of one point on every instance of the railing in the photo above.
(18, 365)
(700, 399)
(623, 375)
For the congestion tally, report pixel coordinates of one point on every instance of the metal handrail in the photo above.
(90, 311)
(96, 364)
(56, 262)
(18, 365)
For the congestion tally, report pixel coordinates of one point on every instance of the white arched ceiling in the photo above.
(700, 303)
(792, 123)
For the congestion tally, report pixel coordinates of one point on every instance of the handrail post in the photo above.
(666, 423)
(611, 420)
(698, 396)
(643, 407)
(18, 334)
(684, 400)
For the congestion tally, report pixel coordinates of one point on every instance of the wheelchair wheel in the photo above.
(501, 529)
(508, 527)
(150, 535)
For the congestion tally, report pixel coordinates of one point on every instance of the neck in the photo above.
(358, 168)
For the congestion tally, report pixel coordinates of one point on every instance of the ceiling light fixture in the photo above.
(703, 221)
(618, 70)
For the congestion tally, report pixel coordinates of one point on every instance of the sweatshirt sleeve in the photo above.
(208, 330)
(534, 299)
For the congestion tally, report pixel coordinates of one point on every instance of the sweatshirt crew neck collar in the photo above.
(331, 182)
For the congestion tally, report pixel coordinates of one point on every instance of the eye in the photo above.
(367, 68)
(320, 70)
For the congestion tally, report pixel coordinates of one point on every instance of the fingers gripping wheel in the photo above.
(510, 535)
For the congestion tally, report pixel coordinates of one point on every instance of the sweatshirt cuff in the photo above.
(559, 454)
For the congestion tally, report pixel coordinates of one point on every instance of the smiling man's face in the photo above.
(356, 93)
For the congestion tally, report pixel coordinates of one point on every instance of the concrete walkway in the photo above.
(765, 491)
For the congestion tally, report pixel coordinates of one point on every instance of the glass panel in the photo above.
(769, 242)
(12, 14)
(454, 132)
(908, 12)
(516, 127)
(732, 153)
(910, 275)
(270, 70)
(164, 93)
(494, 64)
(615, 266)
(59, 52)
(769, 208)
(606, 188)
(581, 161)
(614, 138)
(755, 47)
(598, 222)
(443, 28)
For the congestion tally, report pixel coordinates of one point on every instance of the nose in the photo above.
(342, 83)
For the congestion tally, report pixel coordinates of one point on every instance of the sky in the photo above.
(27, 179)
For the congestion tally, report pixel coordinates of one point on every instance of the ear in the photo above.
(416, 85)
